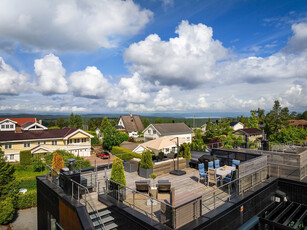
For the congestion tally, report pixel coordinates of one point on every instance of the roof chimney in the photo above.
(131, 115)
(18, 129)
(40, 122)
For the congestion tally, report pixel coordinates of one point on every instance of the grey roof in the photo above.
(129, 145)
(25, 125)
(132, 123)
(233, 123)
(172, 128)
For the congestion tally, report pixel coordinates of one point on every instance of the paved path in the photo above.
(26, 220)
(99, 161)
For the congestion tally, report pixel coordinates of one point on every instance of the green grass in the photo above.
(27, 176)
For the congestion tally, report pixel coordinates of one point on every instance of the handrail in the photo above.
(86, 189)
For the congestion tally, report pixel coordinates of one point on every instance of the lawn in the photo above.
(27, 176)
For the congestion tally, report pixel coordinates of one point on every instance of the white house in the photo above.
(132, 124)
(181, 130)
(166, 144)
(236, 125)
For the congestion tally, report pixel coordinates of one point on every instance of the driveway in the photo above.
(100, 161)
(26, 220)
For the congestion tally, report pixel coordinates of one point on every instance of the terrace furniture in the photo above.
(210, 164)
(224, 172)
(235, 163)
(212, 177)
(164, 186)
(142, 186)
(202, 173)
(229, 177)
(217, 163)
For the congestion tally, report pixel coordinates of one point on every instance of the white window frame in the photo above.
(8, 146)
(70, 141)
(83, 140)
(12, 157)
(76, 141)
(2, 126)
(41, 142)
(154, 132)
(7, 126)
(54, 142)
(173, 149)
(26, 144)
(11, 126)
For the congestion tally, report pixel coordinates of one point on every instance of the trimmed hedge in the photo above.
(25, 157)
(118, 173)
(27, 200)
(146, 160)
(124, 154)
(7, 210)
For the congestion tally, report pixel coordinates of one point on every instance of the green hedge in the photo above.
(25, 157)
(124, 154)
(146, 160)
(27, 200)
(7, 210)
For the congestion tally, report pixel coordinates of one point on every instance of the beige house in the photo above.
(181, 130)
(37, 138)
(132, 124)
(251, 133)
(166, 144)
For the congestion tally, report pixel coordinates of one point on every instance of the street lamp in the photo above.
(177, 171)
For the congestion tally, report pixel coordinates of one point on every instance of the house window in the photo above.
(154, 131)
(8, 146)
(41, 142)
(11, 126)
(149, 131)
(7, 126)
(70, 141)
(26, 145)
(188, 138)
(77, 140)
(12, 157)
(2, 126)
(166, 150)
(83, 139)
(54, 142)
(173, 149)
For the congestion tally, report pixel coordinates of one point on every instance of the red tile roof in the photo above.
(21, 121)
(35, 134)
(298, 122)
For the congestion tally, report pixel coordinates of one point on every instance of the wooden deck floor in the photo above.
(187, 183)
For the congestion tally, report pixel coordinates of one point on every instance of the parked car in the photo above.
(103, 155)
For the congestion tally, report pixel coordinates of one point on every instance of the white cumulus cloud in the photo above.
(11, 82)
(51, 75)
(89, 83)
(72, 25)
(186, 60)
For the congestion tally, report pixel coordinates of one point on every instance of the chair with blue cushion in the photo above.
(217, 163)
(210, 164)
(202, 173)
(212, 177)
(235, 163)
(228, 178)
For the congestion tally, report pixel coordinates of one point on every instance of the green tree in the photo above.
(159, 120)
(9, 188)
(25, 157)
(146, 160)
(60, 123)
(118, 173)
(185, 151)
(38, 165)
(145, 122)
(304, 115)
(253, 121)
(78, 122)
(104, 124)
(71, 120)
(112, 137)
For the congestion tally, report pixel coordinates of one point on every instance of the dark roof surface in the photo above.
(27, 124)
(233, 123)
(172, 128)
(129, 145)
(132, 123)
(20, 121)
(35, 134)
(250, 131)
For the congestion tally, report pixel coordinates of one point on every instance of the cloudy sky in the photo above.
(145, 56)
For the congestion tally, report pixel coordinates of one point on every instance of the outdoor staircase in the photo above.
(106, 218)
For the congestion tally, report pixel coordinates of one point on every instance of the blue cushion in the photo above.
(210, 164)
(217, 163)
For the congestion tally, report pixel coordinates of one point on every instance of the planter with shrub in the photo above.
(146, 164)
(118, 181)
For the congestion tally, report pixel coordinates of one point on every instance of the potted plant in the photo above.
(153, 176)
(146, 164)
(118, 176)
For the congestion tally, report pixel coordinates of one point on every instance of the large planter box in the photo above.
(113, 192)
(145, 172)
(130, 167)
(188, 163)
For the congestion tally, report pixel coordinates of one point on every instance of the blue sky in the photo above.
(113, 56)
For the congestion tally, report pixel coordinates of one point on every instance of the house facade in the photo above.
(132, 124)
(251, 133)
(40, 140)
(236, 125)
(181, 130)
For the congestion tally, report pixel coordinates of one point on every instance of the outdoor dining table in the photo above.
(224, 172)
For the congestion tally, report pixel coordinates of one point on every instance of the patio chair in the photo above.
(235, 163)
(164, 186)
(210, 164)
(142, 186)
(202, 173)
(229, 177)
(217, 163)
(212, 177)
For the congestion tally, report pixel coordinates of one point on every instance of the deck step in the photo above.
(104, 220)
(100, 213)
(111, 226)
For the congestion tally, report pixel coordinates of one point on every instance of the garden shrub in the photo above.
(7, 210)
(228, 146)
(66, 156)
(146, 160)
(185, 151)
(25, 157)
(38, 165)
(118, 173)
(124, 154)
(27, 200)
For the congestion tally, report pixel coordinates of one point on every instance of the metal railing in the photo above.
(77, 192)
